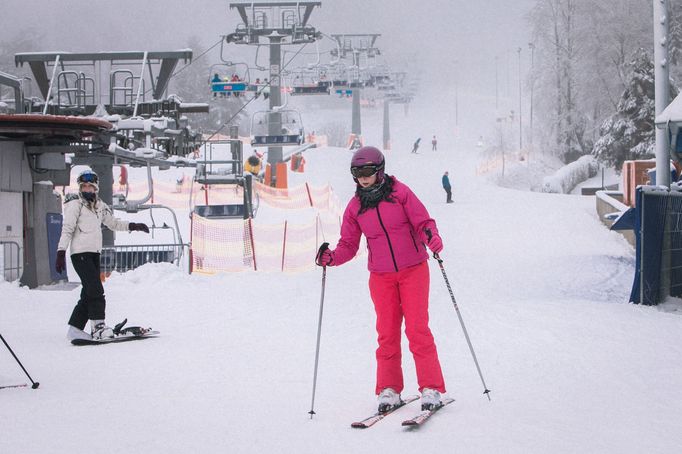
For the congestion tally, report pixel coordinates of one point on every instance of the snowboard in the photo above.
(121, 334)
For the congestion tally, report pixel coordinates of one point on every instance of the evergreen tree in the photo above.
(675, 34)
(629, 133)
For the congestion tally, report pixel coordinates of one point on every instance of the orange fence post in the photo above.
(284, 244)
(253, 248)
(268, 175)
(281, 172)
(310, 197)
(625, 174)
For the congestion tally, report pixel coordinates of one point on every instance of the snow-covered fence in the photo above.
(567, 177)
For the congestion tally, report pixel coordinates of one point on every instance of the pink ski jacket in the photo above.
(395, 232)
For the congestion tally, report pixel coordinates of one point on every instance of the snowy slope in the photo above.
(542, 287)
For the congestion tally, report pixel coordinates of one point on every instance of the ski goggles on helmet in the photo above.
(88, 178)
(364, 171)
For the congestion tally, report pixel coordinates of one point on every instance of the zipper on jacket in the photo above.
(416, 248)
(390, 247)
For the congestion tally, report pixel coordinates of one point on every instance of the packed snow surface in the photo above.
(541, 284)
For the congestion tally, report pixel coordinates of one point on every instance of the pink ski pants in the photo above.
(398, 295)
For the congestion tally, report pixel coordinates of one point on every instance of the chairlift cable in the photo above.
(252, 99)
(193, 60)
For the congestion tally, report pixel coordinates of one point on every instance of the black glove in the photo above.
(324, 256)
(60, 263)
(138, 226)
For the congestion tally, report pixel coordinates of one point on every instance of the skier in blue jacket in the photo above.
(447, 187)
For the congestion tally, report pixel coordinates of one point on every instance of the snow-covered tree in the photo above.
(559, 37)
(675, 40)
(583, 49)
(629, 133)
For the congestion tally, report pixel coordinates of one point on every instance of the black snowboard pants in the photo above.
(91, 303)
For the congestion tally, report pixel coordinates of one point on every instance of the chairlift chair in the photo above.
(287, 124)
(224, 83)
(307, 82)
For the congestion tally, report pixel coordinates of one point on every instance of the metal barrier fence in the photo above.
(668, 209)
(10, 261)
(658, 230)
(127, 257)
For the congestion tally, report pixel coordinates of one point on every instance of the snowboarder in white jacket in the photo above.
(81, 229)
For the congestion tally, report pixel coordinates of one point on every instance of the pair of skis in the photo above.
(416, 421)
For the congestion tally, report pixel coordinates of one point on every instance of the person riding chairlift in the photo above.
(216, 78)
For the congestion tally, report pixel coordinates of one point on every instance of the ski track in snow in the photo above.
(541, 284)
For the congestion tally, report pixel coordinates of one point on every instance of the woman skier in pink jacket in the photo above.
(397, 226)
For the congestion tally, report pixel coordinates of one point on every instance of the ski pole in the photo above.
(319, 331)
(486, 391)
(35, 383)
(461, 321)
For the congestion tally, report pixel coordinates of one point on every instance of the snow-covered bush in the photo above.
(567, 177)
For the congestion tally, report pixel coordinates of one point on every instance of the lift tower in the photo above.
(356, 45)
(275, 25)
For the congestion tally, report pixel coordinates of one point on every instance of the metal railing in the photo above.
(127, 257)
(10, 261)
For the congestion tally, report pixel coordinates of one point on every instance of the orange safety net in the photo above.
(221, 245)
(304, 196)
(178, 195)
(283, 246)
(237, 245)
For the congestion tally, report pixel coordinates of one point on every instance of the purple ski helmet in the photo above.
(368, 157)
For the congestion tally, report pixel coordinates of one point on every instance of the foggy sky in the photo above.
(445, 34)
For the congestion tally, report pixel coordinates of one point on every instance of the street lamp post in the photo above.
(456, 92)
(520, 116)
(497, 88)
(531, 46)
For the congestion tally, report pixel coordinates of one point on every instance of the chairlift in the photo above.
(386, 85)
(309, 82)
(212, 173)
(344, 92)
(229, 79)
(282, 127)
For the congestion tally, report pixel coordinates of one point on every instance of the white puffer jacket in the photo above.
(82, 225)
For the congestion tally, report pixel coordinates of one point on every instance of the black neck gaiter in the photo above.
(371, 197)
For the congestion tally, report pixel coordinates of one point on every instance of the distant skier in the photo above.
(415, 147)
(83, 217)
(397, 226)
(447, 187)
(434, 144)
